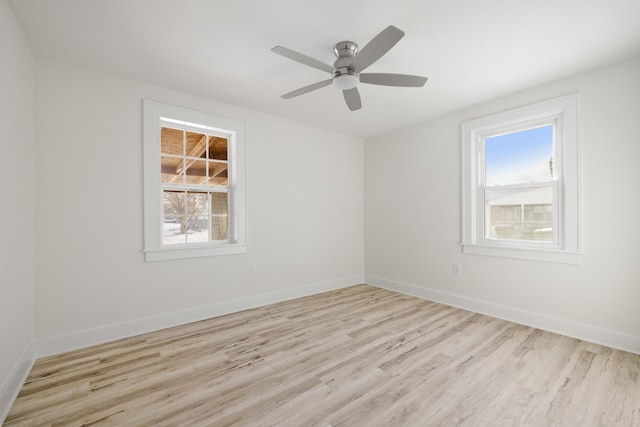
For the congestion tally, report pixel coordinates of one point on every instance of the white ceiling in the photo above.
(471, 50)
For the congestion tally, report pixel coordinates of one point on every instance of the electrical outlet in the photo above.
(252, 269)
(457, 270)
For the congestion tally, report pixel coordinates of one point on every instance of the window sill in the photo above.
(545, 255)
(167, 254)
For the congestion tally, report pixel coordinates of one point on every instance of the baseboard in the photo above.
(12, 386)
(48, 346)
(594, 334)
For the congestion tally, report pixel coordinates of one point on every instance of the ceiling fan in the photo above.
(346, 72)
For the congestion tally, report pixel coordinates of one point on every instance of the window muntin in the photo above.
(195, 185)
(522, 200)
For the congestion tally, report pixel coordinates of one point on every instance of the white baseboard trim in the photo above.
(594, 334)
(48, 346)
(12, 386)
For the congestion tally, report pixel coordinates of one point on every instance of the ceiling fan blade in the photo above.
(386, 79)
(307, 89)
(352, 98)
(377, 47)
(303, 59)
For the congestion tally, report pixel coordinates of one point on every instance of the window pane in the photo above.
(196, 145)
(171, 169)
(197, 204)
(198, 229)
(219, 216)
(218, 173)
(519, 214)
(197, 207)
(196, 172)
(173, 204)
(519, 157)
(172, 233)
(171, 141)
(218, 148)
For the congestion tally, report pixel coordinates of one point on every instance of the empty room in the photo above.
(297, 213)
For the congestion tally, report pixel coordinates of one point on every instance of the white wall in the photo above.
(17, 174)
(412, 218)
(305, 215)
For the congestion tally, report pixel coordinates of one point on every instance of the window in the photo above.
(194, 181)
(521, 183)
(517, 184)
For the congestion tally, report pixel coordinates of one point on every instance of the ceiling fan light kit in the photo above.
(350, 62)
(346, 81)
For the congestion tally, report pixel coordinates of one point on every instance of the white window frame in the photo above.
(562, 113)
(234, 130)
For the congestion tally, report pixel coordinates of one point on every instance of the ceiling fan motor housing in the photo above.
(344, 76)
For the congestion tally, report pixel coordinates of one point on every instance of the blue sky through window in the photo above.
(519, 156)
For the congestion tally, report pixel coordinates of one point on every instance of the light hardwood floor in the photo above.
(359, 356)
